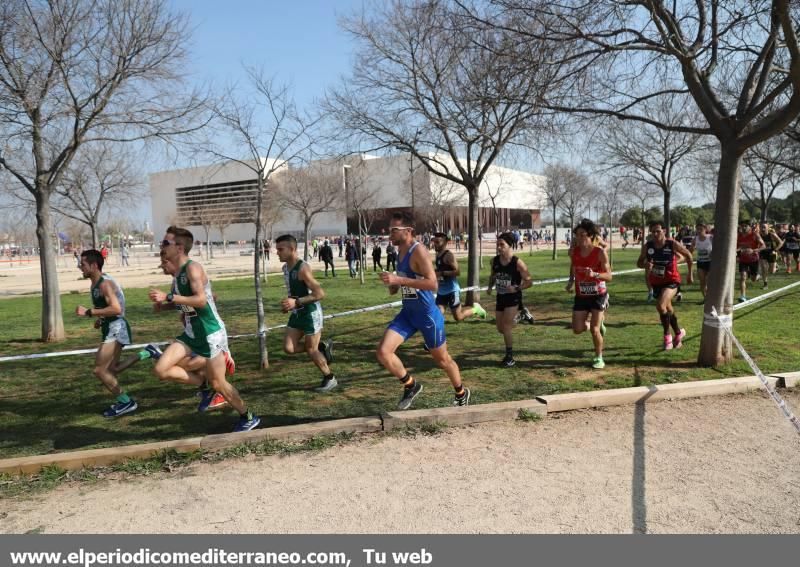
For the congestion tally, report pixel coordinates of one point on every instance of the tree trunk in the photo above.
(361, 246)
(263, 358)
(95, 242)
(52, 319)
(555, 239)
(715, 346)
(306, 225)
(667, 219)
(473, 265)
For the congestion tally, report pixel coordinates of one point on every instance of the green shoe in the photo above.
(597, 363)
(602, 329)
(478, 311)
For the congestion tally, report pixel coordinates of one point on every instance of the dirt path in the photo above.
(710, 465)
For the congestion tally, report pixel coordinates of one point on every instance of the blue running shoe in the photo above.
(154, 351)
(205, 399)
(247, 423)
(120, 408)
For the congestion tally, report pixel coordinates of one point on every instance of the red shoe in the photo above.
(230, 365)
(218, 401)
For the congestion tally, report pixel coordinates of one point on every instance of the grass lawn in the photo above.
(55, 404)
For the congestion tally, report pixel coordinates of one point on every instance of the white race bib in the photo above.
(659, 271)
(588, 288)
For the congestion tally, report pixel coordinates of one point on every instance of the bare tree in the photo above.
(100, 178)
(265, 126)
(445, 88)
(611, 200)
(555, 190)
(202, 215)
(737, 60)
(309, 192)
(577, 193)
(77, 71)
(764, 173)
(652, 155)
(223, 218)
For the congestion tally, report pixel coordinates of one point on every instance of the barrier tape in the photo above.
(276, 327)
(776, 397)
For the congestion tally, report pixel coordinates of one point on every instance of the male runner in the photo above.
(510, 276)
(204, 333)
(591, 270)
(108, 305)
(748, 247)
(449, 292)
(703, 244)
(792, 240)
(303, 301)
(768, 257)
(416, 280)
(659, 257)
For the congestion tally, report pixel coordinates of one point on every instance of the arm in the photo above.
(682, 251)
(491, 281)
(452, 269)
(776, 240)
(113, 309)
(196, 280)
(642, 261)
(605, 268)
(317, 293)
(526, 276)
(421, 264)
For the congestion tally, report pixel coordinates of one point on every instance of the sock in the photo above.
(123, 398)
(460, 391)
(329, 376)
(665, 320)
(247, 415)
(408, 381)
(674, 322)
(509, 351)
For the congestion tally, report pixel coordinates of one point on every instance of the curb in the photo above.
(602, 398)
(496, 411)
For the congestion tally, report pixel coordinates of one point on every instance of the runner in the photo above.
(768, 257)
(591, 270)
(703, 243)
(510, 276)
(748, 247)
(108, 305)
(416, 280)
(303, 301)
(204, 333)
(792, 241)
(783, 230)
(659, 257)
(447, 272)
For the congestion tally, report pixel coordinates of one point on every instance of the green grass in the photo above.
(54, 405)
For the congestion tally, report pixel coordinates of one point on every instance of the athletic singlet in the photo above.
(704, 248)
(748, 241)
(99, 300)
(768, 243)
(296, 287)
(586, 286)
(447, 284)
(792, 240)
(202, 321)
(506, 276)
(665, 263)
(414, 300)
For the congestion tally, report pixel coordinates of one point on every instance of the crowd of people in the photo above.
(200, 356)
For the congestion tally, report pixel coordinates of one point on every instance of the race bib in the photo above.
(793, 245)
(503, 283)
(405, 291)
(659, 271)
(703, 255)
(587, 288)
(187, 310)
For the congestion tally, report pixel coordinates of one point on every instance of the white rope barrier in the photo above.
(725, 324)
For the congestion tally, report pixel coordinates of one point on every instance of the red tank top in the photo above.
(665, 263)
(586, 286)
(747, 241)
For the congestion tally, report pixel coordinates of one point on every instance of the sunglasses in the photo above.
(396, 228)
(165, 243)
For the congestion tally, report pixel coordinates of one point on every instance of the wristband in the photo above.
(88, 312)
(170, 298)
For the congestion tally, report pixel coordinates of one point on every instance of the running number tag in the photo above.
(587, 288)
(187, 310)
(405, 291)
(659, 271)
(703, 255)
(503, 283)
(793, 245)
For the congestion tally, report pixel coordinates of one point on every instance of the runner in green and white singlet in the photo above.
(204, 333)
(305, 321)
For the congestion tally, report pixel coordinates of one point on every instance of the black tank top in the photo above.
(505, 276)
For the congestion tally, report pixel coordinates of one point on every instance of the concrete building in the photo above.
(221, 198)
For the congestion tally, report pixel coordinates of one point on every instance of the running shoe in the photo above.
(667, 342)
(217, 401)
(153, 351)
(408, 396)
(766, 285)
(247, 423)
(508, 361)
(678, 342)
(463, 400)
(326, 348)
(230, 364)
(327, 384)
(121, 408)
(207, 397)
(478, 311)
(742, 298)
(678, 297)
(597, 363)
(650, 296)
(527, 316)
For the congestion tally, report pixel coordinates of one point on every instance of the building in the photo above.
(218, 201)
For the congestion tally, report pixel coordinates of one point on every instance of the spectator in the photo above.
(391, 257)
(376, 257)
(326, 255)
